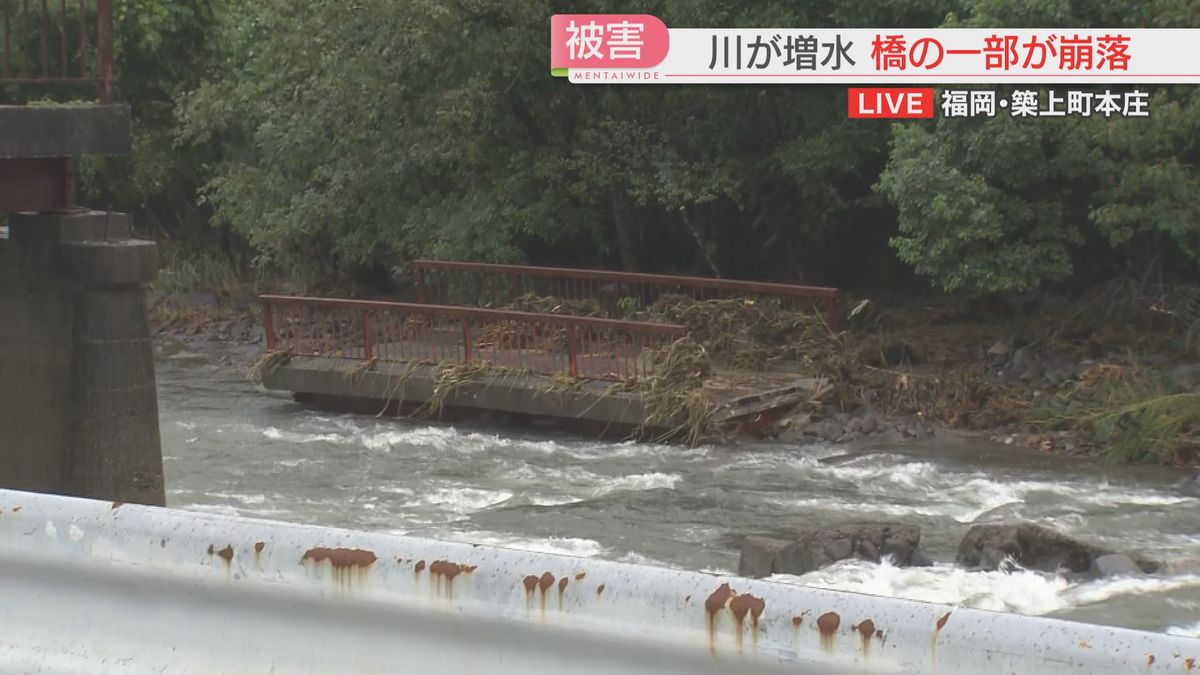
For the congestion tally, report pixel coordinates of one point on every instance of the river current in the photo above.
(231, 448)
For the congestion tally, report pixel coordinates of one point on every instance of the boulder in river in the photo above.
(813, 548)
(1029, 545)
(1115, 565)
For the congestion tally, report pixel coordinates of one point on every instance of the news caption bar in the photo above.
(641, 49)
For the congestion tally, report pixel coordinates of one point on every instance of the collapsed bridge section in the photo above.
(614, 374)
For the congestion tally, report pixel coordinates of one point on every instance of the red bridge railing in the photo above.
(470, 283)
(546, 344)
(57, 41)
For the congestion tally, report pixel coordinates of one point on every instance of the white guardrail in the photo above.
(94, 587)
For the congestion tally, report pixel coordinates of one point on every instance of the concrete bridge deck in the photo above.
(739, 399)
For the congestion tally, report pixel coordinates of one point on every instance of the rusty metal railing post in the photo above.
(268, 325)
(466, 332)
(572, 355)
(368, 350)
(104, 48)
(422, 289)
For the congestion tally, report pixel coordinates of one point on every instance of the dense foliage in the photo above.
(1007, 204)
(339, 139)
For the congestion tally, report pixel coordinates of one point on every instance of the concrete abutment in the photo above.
(78, 405)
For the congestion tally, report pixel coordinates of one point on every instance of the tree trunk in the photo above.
(626, 245)
(691, 228)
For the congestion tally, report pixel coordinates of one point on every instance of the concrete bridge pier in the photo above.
(78, 406)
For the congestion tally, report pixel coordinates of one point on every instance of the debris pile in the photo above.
(673, 394)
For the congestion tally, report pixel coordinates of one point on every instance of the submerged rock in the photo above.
(811, 549)
(1030, 546)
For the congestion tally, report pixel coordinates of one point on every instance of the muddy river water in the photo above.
(230, 448)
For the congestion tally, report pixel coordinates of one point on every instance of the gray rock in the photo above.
(1025, 365)
(1057, 375)
(195, 299)
(1157, 360)
(1030, 546)
(1022, 359)
(170, 347)
(812, 549)
(899, 354)
(919, 559)
(998, 349)
(1191, 486)
(1186, 376)
(1114, 565)
(764, 556)
(187, 356)
(1189, 565)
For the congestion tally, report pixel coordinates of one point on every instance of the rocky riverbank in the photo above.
(1043, 382)
(199, 325)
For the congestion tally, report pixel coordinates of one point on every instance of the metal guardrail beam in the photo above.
(99, 587)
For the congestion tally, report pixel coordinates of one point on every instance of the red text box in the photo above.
(892, 103)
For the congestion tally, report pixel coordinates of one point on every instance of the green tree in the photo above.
(1012, 204)
(161, 49)
(364, 134)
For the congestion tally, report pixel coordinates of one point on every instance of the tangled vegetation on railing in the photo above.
(740, 333)
(758, 335)
(673, 396)
(750, 334)
(548, 304)
(357, 371)
(267, 363)
(450, 377)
